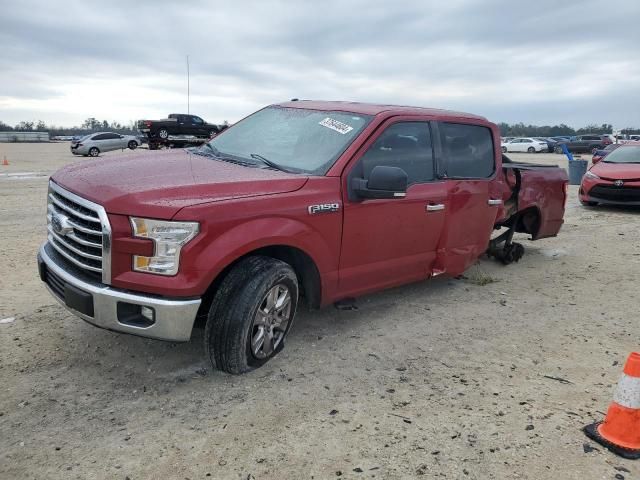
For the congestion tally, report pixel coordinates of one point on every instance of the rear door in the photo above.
(183, 126)
(389, 242)
(474, 197)
(101, 140)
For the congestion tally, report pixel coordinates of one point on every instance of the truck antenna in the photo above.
(188, 86)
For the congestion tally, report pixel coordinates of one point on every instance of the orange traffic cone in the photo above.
(620, 431)
(5, 161)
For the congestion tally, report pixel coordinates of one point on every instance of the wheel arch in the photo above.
(303, 265)
(529, 221)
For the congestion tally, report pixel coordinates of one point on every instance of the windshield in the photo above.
(624, 155)
(294, 139)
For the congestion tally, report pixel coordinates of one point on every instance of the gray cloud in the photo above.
(572, 63)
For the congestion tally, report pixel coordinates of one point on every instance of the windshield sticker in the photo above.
(339, 127)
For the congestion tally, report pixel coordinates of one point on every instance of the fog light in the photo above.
(148, 313)
(134, 315)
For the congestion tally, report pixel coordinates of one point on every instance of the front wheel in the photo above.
(94, 152)
(251, 314)
(558, 150)
(504, 149)
(531, 150)
(132, 145)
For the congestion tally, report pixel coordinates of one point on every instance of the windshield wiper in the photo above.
(213, 149)
(269, 163)
(215, 153)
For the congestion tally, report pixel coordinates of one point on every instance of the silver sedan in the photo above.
(97, 143)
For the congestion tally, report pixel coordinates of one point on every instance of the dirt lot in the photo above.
(441, 379)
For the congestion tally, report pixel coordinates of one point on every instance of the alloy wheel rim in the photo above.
(271, 321)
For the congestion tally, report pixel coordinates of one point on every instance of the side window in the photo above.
(197, 120)
(468, 150)
(406, 145)
(111, 136)
(101, 136)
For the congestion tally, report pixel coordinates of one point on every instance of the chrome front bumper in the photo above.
(110, 308)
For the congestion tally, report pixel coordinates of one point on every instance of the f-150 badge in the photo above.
(323, 208)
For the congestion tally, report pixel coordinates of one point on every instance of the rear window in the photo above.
(468, 150)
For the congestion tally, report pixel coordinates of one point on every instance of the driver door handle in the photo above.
(494, 202)
(434, 207)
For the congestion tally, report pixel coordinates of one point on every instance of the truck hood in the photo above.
(159, 184)
(617, 171)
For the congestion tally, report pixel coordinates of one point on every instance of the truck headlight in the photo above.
(591, 175)
(168, 239)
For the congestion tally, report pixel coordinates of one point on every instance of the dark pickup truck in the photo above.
(177, 124)
(320, 201)
(584, 143)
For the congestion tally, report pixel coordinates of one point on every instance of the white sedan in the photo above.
(525, 144)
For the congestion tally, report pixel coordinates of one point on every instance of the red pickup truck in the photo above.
(324, 201)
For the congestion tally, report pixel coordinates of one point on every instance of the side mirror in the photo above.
(384, 182)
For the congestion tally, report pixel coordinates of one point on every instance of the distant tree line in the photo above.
(522, 130)
(91, 124)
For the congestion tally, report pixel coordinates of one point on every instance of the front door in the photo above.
(388, 242)
(473, 194)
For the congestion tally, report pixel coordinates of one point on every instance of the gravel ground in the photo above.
(441, 379)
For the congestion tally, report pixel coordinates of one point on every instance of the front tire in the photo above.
(132, 145)
(251, 314)
(94, 152)
(504, 149)
(531, 150)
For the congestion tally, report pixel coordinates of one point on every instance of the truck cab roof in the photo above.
(375, 109)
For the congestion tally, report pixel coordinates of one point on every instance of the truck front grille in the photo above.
(79, 231)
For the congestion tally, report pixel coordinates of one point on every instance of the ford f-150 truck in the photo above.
(323, 201)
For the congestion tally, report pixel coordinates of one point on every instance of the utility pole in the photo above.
(188, 85)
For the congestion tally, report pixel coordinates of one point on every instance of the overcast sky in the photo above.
(542, 62)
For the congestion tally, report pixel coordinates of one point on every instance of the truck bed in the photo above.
(534, 205)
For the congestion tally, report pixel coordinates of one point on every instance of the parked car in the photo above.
(601, 153)
(560, 138)
(585, 143)
(177, 124)
(613, 180)
(97, 143)
(528, 144)
(324, 201)
(551, 143)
